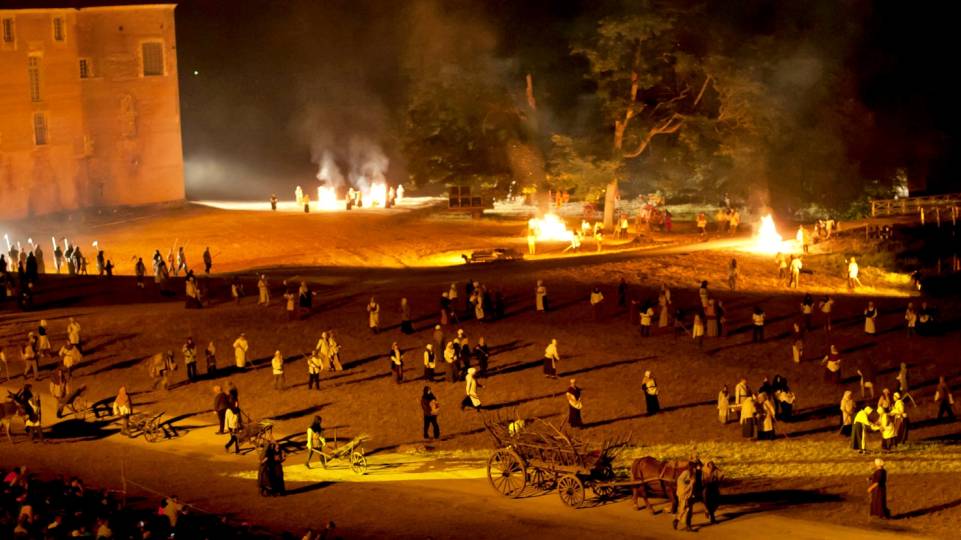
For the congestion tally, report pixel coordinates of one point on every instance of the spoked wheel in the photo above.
(541, 478)
(602, 488)
(358, 463)
(571, 490)
(81, 408)
(505, 470)
(152, 435)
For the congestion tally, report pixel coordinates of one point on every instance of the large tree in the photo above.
(646, 84)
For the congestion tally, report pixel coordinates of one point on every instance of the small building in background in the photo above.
(89, 109)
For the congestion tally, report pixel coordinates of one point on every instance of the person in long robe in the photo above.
(878, 490)
(768, 421)
(482, 353)
(888, 430)
(276, 471)
(122, 408)
(373, 315)
(870, 319)
(429, 362)
(450, 359)
(406, 326)
(664, 314)
(710, 314)
(263, 291)
(847, 413)
(574, 406)
(832, 366)
(540, 297)
(471, 399)
(551, 357)
(723, 405)
(748, 418)
(316, 442)
(240, 351)
(430, 407)
(859, 432)
(396, 363)
(711, 489)
(651, 400)
(685, 492)
(944, 399)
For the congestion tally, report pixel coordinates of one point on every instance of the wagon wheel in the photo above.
(358, 463)
(571, 490)
(542, 478)
(151, 434)
(505, 470)
(602, 487)
(81, 408)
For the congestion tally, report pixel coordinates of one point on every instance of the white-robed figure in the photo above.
(322, 351)
(43, 342)
(551, 357)
(240, 351)
(333, 349)
(299, 195)
(471, 399)
(263, 290)
(373, 315)
(540, 296)
(277, 370)
(73, 332)
(853, 272)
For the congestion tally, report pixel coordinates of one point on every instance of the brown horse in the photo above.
(649, 470)
(9, 410)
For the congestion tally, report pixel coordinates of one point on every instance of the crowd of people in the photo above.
(65, 507)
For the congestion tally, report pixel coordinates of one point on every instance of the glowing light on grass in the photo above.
(550, 228)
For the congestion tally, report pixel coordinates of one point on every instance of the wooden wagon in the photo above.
(151, 425)
(535, 453)
(258, 433)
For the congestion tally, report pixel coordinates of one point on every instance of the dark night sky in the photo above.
(264, 67)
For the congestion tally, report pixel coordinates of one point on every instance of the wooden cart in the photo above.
(535, 453)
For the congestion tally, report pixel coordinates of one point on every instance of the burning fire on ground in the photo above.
(767, 240)
(550, 228)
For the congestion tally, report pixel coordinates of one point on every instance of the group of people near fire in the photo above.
(458, 357)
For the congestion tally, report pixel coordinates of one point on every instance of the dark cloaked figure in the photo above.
(649, 386)
(270, 476)
(574, 406)
(430, 407)
(878, 490)
(711, 489)
(482, 354)
(221, 403)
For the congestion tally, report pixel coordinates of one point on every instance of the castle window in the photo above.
(58, 31)
(86, 68)
(40, 128)
(33, 71)
(8, 35)
(152, 57)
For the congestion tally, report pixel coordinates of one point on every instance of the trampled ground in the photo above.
(809, 473)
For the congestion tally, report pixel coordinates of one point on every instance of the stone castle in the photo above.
(89, 109)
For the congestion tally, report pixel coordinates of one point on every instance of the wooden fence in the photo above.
(938, 207)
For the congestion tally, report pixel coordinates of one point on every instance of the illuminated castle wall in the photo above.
(89, 109)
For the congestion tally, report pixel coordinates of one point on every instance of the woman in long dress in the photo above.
(406, 326)
(710, 313)
(540, 296)
(470, 388)
(847, 413)
(649, 385)
(550, 360)
(870, 319)
(723, 405)
(450, 358)
(664, 314)
(878, 490)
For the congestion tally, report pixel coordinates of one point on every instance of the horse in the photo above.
(10, 409)
(647, 470)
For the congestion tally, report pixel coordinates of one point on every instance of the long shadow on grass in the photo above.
(123, 364)
(605, 366)
(769, 500)
(299, 412)
(74, 430)
(307, 488)
(642, 415)
(929, 510)
(516, 402)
